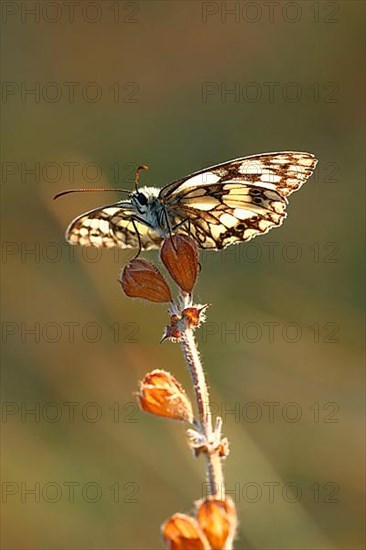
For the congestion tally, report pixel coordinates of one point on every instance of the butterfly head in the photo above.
(141, 198)
(144, 198)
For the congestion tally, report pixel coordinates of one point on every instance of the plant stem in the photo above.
(192, 358)
(214, 462)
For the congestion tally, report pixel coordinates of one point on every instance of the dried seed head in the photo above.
(141, 279)
(179, 254)
(161, 394)
(181, 532)
(218, 520)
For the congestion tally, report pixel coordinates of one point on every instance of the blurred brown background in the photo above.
(180, 86)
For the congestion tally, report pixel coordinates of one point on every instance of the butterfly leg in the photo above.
(138, 238)
(172, 229)
(167, 221)
(182, 223)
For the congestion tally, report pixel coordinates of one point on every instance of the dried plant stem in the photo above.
(214, 462)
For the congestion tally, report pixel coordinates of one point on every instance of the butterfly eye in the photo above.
(142, 199)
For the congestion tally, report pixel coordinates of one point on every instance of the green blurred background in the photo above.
(105, 475)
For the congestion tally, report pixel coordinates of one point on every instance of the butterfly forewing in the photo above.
(285, 171)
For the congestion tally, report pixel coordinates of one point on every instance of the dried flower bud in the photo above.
(141, 279)
(171, 333)
(161, 394)
(180, 256)
(218, 520)
(194, 316)
(181, 532)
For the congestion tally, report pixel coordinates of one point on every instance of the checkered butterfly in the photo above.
(228, 203)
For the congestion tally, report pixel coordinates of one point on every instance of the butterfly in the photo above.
(225, 204)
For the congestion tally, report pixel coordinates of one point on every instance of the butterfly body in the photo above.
(225, 204)
(149, 208)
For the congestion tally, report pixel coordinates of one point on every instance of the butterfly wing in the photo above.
(237, 200)
(111, 226)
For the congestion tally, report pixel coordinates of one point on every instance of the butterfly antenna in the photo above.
(137, 176)
(68, 191)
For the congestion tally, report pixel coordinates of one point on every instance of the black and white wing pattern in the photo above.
(228, 203)
(237, 200)
(111, 226)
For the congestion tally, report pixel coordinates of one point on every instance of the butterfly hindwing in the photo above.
(219, 215)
